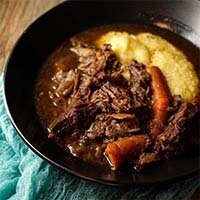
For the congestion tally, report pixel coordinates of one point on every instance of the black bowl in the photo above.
(47, 33)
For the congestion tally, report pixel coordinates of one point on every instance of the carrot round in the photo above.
(125, 149)
(161, 95)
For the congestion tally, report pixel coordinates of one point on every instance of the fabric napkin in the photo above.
(25, 176)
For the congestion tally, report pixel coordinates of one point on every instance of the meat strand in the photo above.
(110, 127)
(111, 98)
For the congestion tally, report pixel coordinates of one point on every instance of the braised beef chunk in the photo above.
(140, 84)
(86, 54)
(146, 158)
(77, 118)
(63, 85)
(174, 105)
(82, 91)
(174, 132)
(96, 68)
(170, 142)
(83, 51)
(111, 98)
(110, 127)
(141, 92)
(100, 64)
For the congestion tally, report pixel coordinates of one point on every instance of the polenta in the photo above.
(153, 50)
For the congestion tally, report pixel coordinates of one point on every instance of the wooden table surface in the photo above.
(15, 16)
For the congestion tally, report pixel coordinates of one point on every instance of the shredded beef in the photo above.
(168, 140)
(140, 85)
(111, 127)
(77, 118)
(146, 158)
(98, 80)
(83, 51)
(63, 83)
(82, 91)
(62, 87)
(141, 93)
(98, 63)
(169, 143)
(104, 106)
(174, 104)
(86, 54)
(111, 98)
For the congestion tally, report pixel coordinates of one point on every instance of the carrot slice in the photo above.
(160, 109)
(125, 149)
(159, 84)
(161, 95)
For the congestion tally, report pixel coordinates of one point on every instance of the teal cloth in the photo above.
(25, 176)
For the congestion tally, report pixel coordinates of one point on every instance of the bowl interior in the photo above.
(47, 33)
